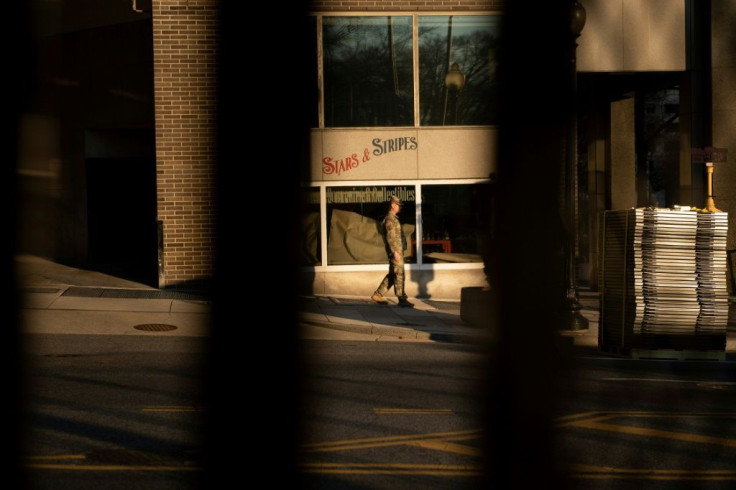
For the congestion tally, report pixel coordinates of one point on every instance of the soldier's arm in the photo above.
(393, 234)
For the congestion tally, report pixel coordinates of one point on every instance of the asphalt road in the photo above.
(117, 411)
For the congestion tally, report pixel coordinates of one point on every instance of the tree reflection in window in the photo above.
(470, 42)
(367, 66)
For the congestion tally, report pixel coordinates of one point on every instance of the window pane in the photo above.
(309, 246)
(456, 221)
(470, 42)
(367, 71)
(354, 217)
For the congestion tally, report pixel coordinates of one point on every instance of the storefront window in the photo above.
(354, 216)
(456, 221)
(367, 67)
(467, 46)
(309, 246)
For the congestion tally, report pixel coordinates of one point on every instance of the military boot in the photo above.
(405, 303)
(379, 299)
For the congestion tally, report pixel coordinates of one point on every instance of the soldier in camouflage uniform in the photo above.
(394, 240)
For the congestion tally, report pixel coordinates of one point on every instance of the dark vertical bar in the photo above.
(260, 100)
(527, 255)
(18, 63)
(698, 46)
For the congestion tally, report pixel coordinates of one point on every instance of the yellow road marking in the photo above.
(600, 472)
(448, 447)
(575, 419)
(393, 469)
(89, 467)
(595, 420)
(443, 411)
(389, 441)
(576, 416)
(58, 457)
(664, 434)
(171, 409)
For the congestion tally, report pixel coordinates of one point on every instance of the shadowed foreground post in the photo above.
(526, 266)
(19, 61)
(252, 383)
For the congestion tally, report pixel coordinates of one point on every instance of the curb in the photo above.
(399, 332)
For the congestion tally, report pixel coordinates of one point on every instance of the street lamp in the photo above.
(571, 317)
(454, 81)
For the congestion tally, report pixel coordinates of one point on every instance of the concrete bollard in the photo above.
(476, 306)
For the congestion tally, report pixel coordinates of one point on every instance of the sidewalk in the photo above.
(429, 320)
(55, 298)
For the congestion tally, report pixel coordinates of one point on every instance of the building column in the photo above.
(184, 58)
(623, 154)
(723, 80)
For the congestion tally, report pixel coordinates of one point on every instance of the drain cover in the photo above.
(155, 327)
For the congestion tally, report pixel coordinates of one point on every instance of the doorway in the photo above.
(121, 218)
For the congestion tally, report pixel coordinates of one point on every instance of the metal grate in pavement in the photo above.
(155, 327)
(83, 292)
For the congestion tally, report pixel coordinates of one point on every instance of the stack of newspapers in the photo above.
(712, 268)
(663, 273)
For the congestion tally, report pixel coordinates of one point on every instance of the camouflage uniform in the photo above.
(394, 241)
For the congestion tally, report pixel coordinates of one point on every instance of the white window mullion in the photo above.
(415, 64)
(323, 223)
(420, 223)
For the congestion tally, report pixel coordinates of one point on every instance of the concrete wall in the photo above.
(623, 155)
(723, 59)
(440, 284)
(632, 35)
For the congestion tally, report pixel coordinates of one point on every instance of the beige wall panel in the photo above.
(428, 153)
(654, 35)
(724, 174)
(723, 43)
(441, 284)
(458, 153)
(724, 88)
(600, 46)
(632, 35)
(315, 152)
(368, 155)
(635, 24)
(666, 39)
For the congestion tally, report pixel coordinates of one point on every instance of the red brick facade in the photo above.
(184, 54)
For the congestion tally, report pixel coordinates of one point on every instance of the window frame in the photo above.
(415, 59)
(417, 184)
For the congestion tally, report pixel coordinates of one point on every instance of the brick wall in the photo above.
(404, 5)
(184, 58)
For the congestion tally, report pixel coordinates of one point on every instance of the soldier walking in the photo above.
(394, 240)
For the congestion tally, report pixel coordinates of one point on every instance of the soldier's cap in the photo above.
(394, 199)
